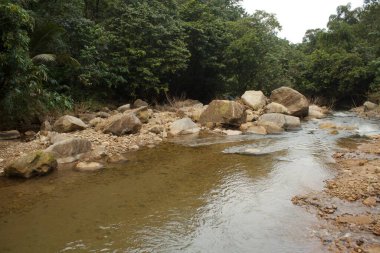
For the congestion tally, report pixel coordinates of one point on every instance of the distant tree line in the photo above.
(53, 53)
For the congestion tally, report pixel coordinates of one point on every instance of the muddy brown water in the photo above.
(192, 195)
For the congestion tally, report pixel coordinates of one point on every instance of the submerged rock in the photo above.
(89, 166)
(10, 135)
(254, 99)
(68, 123)
(223, 112)
(37, 163)
(295, 102)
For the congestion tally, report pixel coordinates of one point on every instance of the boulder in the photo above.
(281, 120)
(257, 130)
(368, 106)
(223, 112)
(68, 123)
(89, 166)
(70, 150)
(295, 102)
(121, 124)
(183, 126)
(86, 117)
(139, 103)
(10, 135)
(276, 108)
(37, 163)
(254, 99)
(124, 108)
(316, 112)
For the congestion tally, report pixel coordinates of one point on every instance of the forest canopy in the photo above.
(55, 53)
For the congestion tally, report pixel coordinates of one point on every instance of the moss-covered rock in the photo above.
(37, 163)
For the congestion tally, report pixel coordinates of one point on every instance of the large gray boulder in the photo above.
(223, 112)
(183, 126)
(121, 124)
(37, 163)
(295, 102)
(281, 120)
(70, 150)
(10, 135)
(68, 123)
(254, 99)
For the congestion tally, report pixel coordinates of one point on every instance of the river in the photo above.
(189, 195)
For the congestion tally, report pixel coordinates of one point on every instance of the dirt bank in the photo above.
(349, 206)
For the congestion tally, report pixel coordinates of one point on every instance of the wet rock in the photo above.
(316, 112)
(70, 150)
(276, 108)
(121, 124)
(254, 99)
(327, 125)
(232, 132)
(103, 115)
(68, 123)
(270, 127)
(37, 163)
(357, 220)
(281, 120)
(370, 201)
(223, 112)
(369, 106)
(139, 103)
(119, 158)
(183, 126)
(295, 102)
(334, 132)
(124, 108)
(89, 166)
(10, 135)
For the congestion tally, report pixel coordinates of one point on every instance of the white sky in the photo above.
(297, 16)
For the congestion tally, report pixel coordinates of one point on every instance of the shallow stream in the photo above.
(189, 195)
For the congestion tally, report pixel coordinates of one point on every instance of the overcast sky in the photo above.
(297, 16)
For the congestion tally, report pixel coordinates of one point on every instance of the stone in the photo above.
(70, 150)
(295, 102)
(124, 108)
(281, 120)
(276, 108)
(86, 117)
(232, 132)
(254, 99)
(316, 112)
(194, 112)
(29, 135)
(10, 135)
(244, 127)
(156, 129)
(186, 103)
(103, 115)
(223, 112)
(257, 130)
(121, 124)
(68, 123)
(370, 201)
(118, 159)
(183, 126)
(37, 163)
(270, 127)
(139, 103)
(46, 126)
(369, 106)
(250, 115)
(89, 166)
(95, 122)
(143, 113)
(327, 125)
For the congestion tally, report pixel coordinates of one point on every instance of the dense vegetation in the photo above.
(53, 53)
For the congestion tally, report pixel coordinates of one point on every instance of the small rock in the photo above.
(139, 103)
(368, 106)
(46, 126)
(232, 132)
(183, 126)
(10, 135)
(124, 108)
(370, 201)
(68, 123)
(89, 166)
(102, 115)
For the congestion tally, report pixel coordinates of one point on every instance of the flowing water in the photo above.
(191, 195)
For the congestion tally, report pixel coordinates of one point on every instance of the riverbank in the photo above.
(348, 206)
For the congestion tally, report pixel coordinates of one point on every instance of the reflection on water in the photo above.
(186, 196)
